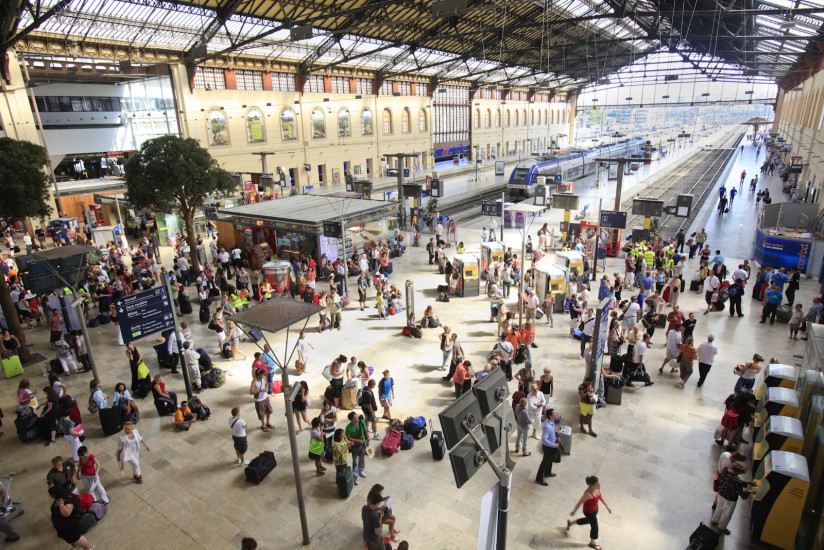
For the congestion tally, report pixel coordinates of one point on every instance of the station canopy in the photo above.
(545, 44)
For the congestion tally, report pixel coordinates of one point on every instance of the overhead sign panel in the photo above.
(613, 219)
(144, 313)
(491, 208)
(332, 228)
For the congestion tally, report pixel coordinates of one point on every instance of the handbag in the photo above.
(315, 449)
(142, 370)
(556, 456)
(327, 372)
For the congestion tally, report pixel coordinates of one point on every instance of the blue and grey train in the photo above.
(571, 166)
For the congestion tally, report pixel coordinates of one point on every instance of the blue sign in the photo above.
(559, 179)
(776, 251)
(144, 313)
(600, 334)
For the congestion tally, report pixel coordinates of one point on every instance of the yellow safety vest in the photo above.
(649, 257)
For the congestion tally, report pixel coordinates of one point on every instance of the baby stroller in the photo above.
(8, 508)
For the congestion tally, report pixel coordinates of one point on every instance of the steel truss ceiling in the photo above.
(559, 44)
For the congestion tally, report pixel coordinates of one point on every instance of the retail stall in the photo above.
(784, 236)
(295, 225)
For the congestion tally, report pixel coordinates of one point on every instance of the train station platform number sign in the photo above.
(332, 228)
(491, 208)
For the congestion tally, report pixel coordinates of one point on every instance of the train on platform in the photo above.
(570, 166)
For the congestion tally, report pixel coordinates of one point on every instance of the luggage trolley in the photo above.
(8, 508)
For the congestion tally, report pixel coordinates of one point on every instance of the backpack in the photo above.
(201, 411)
(733, 291)
(94, 408)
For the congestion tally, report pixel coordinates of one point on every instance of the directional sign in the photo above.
(491, 208)
(144, 313)
(332, 228)
(559, 178)
(613, 219)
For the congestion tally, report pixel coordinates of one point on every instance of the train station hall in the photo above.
(400, 274)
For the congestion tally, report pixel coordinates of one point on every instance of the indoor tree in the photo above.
(170, 173)
(25, 194)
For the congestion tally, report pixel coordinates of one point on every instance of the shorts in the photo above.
(708, 296)
(672, 356)
(386, 401)
(241, 444)
(587, 409)
(367, 417)
(262, 408)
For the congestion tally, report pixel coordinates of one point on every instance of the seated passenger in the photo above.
(184, 416)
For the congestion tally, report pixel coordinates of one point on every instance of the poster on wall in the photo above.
(775, 251)
(335, 175)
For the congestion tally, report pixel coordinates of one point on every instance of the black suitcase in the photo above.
(683, 285)
(695, 285)
(111, 420)
(783, 313)
(185, 304)
(703, 538)
(44, 428)
(227, 350)
(344, 481)
(438, 444)
(27, 426)
(164, 406)
(260, 466)
(204, 314)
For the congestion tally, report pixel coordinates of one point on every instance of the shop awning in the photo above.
(310, 210)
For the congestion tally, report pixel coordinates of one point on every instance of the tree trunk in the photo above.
(13, 321)
(191, 238)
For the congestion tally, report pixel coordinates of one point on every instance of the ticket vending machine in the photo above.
(550, 277)
(573, 261)
(782, 485)
(776, 402)
(469, 282)
(490, 253)
(278, 273)
(779, 433)
(775, 375)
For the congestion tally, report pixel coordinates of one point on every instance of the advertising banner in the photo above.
(776, 251)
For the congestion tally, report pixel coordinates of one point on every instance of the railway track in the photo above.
(697, 176)
(471, 207)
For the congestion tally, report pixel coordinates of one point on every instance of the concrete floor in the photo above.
(654, 454)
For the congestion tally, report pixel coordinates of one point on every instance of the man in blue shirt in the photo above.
(773, 296)
(269, 359)
(779, 278)
(646, 283)
(718, 258)
(550, 443)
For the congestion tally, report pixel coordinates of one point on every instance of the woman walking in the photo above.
(135, 357)
(589, 500)
(688, 356)
(90, 472)
(64, 519)
(128, 450)
(300, 404)
(51, 412)
(316, 446)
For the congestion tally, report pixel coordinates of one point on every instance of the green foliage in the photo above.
(432, 205)
(25, 183)
(171, 173)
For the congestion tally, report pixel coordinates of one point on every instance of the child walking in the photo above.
(795, 321)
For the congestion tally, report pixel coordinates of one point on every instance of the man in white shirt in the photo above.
(192, 359)
(588, 319)
(532, 303)
(493, 227)
(639, 355)
(505, 352)
(28, 242)
(740, 274)
(706, 356)
(223, 258)
(711, 284)
(237, 261)
(363, 265)
(630, 315)
(183, 267)
(672, 352)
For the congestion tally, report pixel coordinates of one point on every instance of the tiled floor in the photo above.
(654, 454)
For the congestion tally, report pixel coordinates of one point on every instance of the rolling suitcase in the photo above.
(438, 444)
(782, 314)
(695, 285)
(44, 428)
(204, 314)
(565, 437)
(26, 424)
(227, 350)
(703, 538)
(344, 481)
(349, 397)
(185, 304)
(260, 466)
(164, 406)
(111, 420)
(12, 366)
(391, 444)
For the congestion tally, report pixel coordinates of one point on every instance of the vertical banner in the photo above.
(599, 344)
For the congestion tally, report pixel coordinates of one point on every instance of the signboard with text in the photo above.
(332, 228)
(144, 313)
(491, 208)
(613, 219)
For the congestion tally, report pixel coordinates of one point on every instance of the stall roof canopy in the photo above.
(309, 209)
(276, 314)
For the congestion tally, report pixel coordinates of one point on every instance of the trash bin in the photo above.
(565, 433)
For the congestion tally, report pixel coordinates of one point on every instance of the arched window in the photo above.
(477, 118)
(546, 117)
(422, 120)
(517, 118)
(406, 128)
(367, 124)
(523, 117)
(255, 130)
(497, 118)
(344, 128)
(488, 119)
(387, 122)
(318, 123)
(565, 117)
(508, 118)
(532, 118)
(217, 128)
(288, 128)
